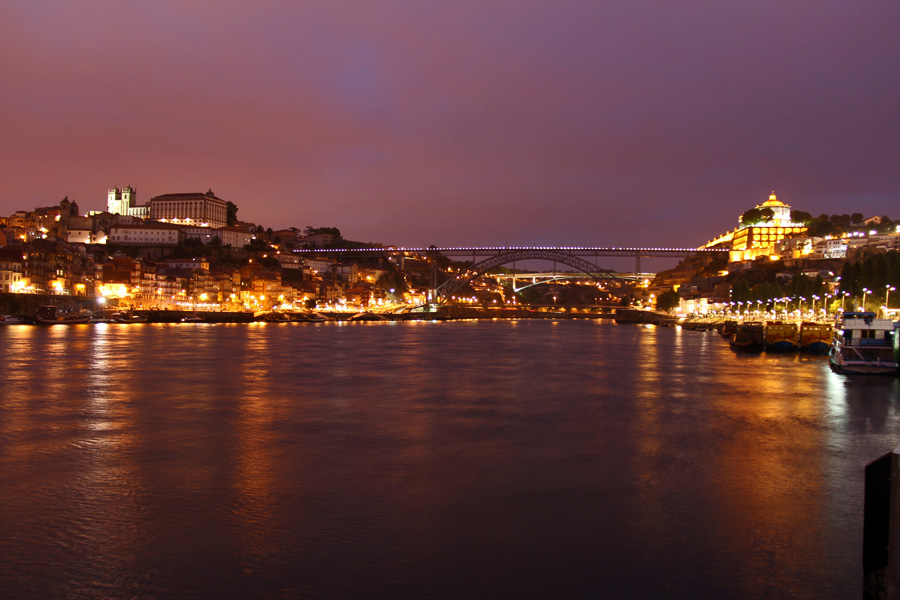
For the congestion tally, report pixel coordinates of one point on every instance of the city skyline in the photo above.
(518, 123)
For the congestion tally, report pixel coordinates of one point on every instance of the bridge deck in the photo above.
(648, 252)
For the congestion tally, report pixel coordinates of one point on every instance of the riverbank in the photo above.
(22, 308)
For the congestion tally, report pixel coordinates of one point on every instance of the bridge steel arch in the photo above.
(451, 286)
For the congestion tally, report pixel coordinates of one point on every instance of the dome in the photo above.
(773, 201)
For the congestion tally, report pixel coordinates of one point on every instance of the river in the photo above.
(473, 459)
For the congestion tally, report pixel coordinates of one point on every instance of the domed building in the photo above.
(781, 212)
(752, 240)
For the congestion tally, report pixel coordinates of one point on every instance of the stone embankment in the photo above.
(22, 305)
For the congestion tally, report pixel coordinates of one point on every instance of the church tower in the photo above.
(123, 202)
(129, 199)
(114, 202)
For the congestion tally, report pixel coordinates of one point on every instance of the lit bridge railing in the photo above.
(645, 251)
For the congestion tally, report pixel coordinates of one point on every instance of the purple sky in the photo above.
(419, 122)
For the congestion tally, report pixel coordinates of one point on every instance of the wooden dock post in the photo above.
(881, 528)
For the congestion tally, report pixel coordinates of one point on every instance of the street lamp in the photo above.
(865, 291)
(887, 294)
(814, 298)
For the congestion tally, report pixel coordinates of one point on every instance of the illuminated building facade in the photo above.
(49, 267)
(146, 234)
(202, 210)
(124, 202)
(751, 241)
(205, 210)
(11, 262)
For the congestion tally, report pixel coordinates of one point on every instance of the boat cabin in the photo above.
(864, 329)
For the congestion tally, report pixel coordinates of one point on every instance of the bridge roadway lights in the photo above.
(595, 251)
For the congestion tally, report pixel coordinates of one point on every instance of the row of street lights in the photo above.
(813, 299)
(888, 288)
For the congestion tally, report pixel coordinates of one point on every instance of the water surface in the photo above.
(428, 460)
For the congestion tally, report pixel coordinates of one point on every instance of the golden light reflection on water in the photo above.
(756, 404)
(256, 518)
(68, 440)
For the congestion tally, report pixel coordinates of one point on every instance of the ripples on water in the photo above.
(466, 459)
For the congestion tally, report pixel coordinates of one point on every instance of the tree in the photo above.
(799, 216)
(841, 221)
(667, 300)
(850, 275)
(822, 226)
(740, 290)
(231, 210)
(757, 215)
(392, 281)
(886, 225)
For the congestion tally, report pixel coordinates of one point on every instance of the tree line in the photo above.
(875, 272)
(836, 225)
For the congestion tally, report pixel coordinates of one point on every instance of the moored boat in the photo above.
(128, 317)
(367, 316)
(863, 344)
(50, 315)
(782, 336)
(728, 329)
(815, 338)
(749, 336)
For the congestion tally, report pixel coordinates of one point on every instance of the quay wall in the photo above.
(23, 305)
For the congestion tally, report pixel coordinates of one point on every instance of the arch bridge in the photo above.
(449, 288)
(573, 256)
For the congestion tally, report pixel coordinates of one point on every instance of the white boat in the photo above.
(10, 320)
(863, 343)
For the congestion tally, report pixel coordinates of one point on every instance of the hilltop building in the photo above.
(197, 209)
(749, 241)
(124, 202)
(205, 210)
